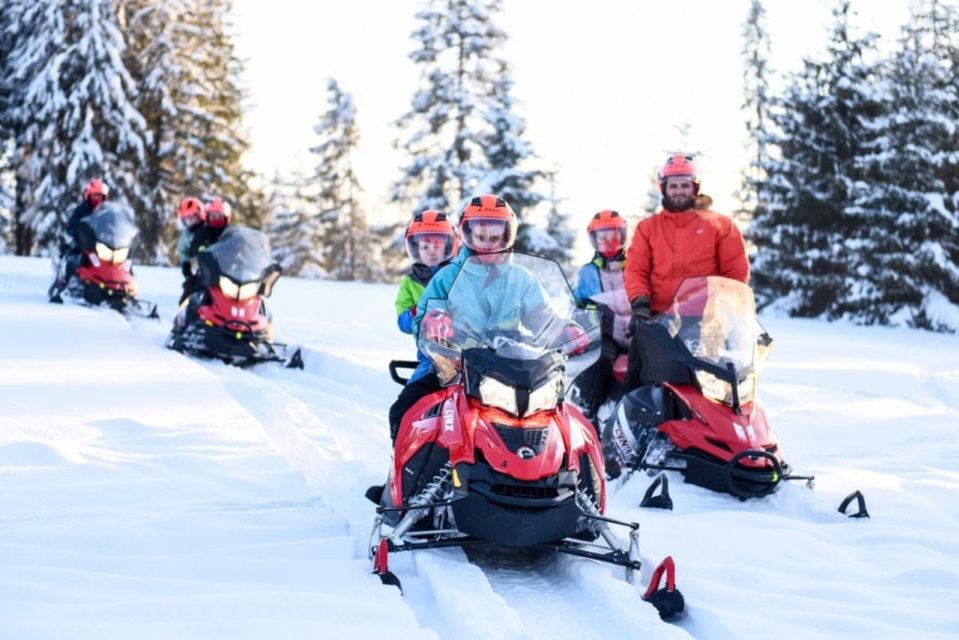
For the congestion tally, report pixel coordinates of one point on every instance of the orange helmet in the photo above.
(607, 219)
(680, 164)
(217, 212)
(96, 188)
(431, 223)
(496, 218)
(190, 207)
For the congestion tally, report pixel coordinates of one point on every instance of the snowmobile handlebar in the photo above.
(401, 364)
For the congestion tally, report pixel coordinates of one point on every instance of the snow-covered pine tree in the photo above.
(73, 114)
(218, 141)
(508, 156)
(443, 131)
(160, 57)
(756, 98)
(910, 269)
(556, 240)
(808, 242)
(343, 235)
(296, 234)
(6, 124)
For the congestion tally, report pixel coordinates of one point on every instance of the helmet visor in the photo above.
(486, 235)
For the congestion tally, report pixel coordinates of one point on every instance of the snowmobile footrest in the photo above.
(660, 501)
(860, 502)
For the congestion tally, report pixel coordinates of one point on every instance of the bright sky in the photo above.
(603, 84)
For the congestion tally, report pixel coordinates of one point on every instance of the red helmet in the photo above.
(96, 188)
(190, 207)
(431, 223)
(606, 220)
(494, 217)
(217, 212)
(680, 164)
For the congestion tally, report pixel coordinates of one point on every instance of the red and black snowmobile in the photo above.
(101, 274)
(226, 318)
(699, 414)
(497, 457)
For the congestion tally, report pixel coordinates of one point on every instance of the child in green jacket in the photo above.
(430, 242)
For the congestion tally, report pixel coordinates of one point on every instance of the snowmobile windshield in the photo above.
(516, 305)
(715, 318)
(242, 254)
(112, 224)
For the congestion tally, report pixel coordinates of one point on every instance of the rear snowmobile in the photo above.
(226, 318)
(103, 275)
(699, 414)
(496, 457)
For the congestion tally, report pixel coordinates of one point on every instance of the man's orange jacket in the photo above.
(671, 246)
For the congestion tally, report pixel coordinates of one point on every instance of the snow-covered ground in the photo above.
(146, 494)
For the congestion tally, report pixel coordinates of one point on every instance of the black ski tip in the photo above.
(860, 503)
(296, 360)
(660, 501)
(154, 313)
(374, 493)
(389, 578)
(668, 603)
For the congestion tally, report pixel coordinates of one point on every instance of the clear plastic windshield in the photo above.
(242, 254)
(112, 224)
(518, 305)
(715, 318)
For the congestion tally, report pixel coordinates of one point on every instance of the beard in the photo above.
(680, 203)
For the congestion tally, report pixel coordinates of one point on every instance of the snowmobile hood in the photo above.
(112, 224)
(242, 254)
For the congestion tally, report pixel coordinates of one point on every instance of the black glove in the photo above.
(641, 310)
(185, 268)
(641, 313)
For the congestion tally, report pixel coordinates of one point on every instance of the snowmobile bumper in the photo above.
(95, 294)
(498, 508)
(733, 477)
(239, 348)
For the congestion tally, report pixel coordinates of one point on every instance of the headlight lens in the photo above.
(714, 388)
(546, 395)
(116, 256)
(104, 252)
(229, 288)
(721, 391)
(248, 290)
(238, 291)
(494, 393)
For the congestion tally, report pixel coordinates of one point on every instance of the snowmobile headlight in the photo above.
(229, 288)
(494, 393)
(120, 255)
(116, 256)
(238, 291)
(714, 388)
(546, 395)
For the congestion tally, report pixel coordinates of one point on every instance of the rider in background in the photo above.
(601, 282)
(683, 240)
(431, 243)
(191, 216)
(94, 194)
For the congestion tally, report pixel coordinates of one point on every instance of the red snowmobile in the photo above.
(102, 273)
(497, 457)
(226, 318)
(699, 414)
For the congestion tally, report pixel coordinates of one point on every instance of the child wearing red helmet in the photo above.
(600, 282)
(431, 243)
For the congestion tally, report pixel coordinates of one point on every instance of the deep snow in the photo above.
(146, 494)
